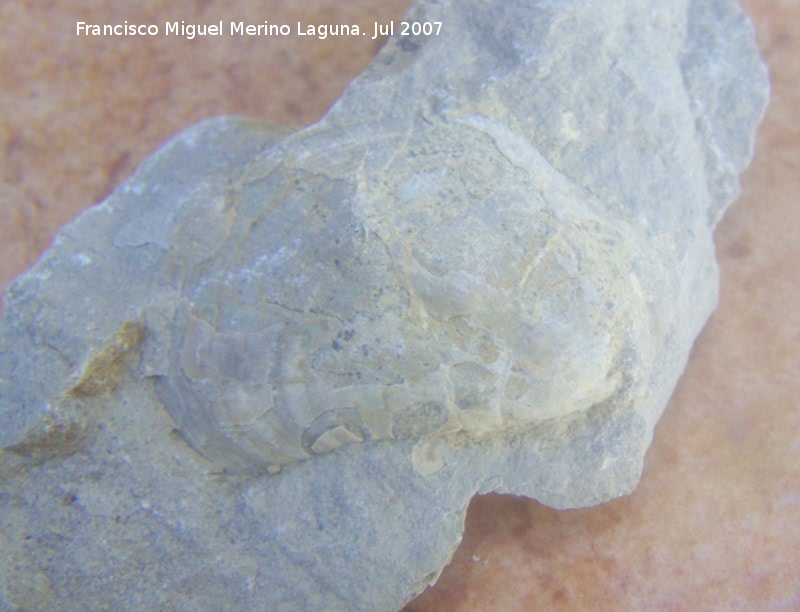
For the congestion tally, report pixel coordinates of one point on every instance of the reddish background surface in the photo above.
(715, 522)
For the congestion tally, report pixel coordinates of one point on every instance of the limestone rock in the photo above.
(271, 370)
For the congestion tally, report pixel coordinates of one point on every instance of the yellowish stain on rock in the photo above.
(103, 372)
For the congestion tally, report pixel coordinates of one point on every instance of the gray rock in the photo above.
(271, 370)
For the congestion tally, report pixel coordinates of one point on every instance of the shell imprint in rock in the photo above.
(483, 256)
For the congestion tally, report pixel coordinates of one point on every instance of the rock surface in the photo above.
(273, 368)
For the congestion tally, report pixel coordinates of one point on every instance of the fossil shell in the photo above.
(441, 294)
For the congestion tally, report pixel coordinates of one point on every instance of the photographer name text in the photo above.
(240, 28)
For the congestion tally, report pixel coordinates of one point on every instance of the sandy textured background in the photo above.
(715, 521)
